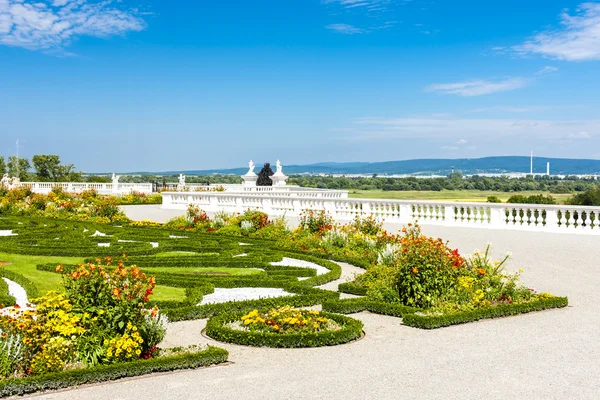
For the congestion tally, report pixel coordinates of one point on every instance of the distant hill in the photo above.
(558, 166)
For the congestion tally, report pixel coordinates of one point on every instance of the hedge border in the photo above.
(503, 310)
(350, 306)
(352, 288)
(26, 284)
(351, 329)
(102, 373)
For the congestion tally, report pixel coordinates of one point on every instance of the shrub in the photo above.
(367, 225)
(316, 221)
(494, 199)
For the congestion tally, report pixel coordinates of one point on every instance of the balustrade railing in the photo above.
(78, 187)
(543, 218)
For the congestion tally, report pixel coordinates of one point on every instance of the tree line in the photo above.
(46, 168)
(453, 181)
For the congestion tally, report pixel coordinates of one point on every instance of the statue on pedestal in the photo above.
(264, 176)
(115, 179)
(279, 178)
(181, 185)
(250, 168)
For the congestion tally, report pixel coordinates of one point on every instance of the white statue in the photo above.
(251, 167)
(181, 184)
(5, 182)
(278, 166)
(115, 179)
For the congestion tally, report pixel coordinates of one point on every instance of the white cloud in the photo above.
(478, 87)
(577, 40)
(579, 135)
(468, 129)
(546, 70)
(345, 29)
(462, 141)
(368, 4)
(53, 24)
(511, 109)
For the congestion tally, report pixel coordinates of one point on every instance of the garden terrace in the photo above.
(555, 350)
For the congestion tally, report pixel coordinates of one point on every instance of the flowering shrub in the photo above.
(100, 318)
(316, 221)
(125, 347)
(85, 206)
(367, 225)
(426, 268)
(286, 320)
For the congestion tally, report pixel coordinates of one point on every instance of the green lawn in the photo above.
(447, 195)
(46, 281)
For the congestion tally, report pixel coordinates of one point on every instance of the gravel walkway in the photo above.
(546, 355)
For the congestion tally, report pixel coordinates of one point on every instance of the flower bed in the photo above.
(283, 327)
(102, 373)
(437, 320)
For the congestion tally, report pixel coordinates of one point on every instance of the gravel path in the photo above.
(546, 355)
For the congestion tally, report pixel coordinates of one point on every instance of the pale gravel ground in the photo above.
(546, 355)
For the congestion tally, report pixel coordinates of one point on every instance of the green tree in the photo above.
(49, 169)
(2, 166)
(18, 167)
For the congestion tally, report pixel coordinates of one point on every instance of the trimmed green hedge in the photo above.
(503, 310)
(352, 288)
(5, 298)
(349, 306)
(102, 373)
(350, 329)
(304, 296)
(30, 288)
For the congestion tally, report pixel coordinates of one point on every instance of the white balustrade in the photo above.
(532, 217)
(78, 187)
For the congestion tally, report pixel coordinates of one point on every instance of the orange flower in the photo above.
(415, 270)
(59, 268)
(481, 271)
(116, 292)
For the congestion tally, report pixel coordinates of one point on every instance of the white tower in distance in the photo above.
(531, 163)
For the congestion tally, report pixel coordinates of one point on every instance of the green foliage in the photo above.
(18, 167)
(352, 288)
(433, 321)
(48, 168)
(2, 165)
(533, 199)
(316, 221)
(218, 328)
(351, 306)
(5, 298)
(494, 199)
(590, 197)
(367, 225)
(103, 373)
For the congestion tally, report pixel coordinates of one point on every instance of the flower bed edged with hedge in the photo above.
(103, 373)
(218, 328)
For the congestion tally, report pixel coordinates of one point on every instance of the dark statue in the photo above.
(263, 176)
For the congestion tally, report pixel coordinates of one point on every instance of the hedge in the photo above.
(352, 288)
(103, 373)
(304, 296)
(5, 298)
(30, 288)
(217, 329)
(349, 306)
(502, 310)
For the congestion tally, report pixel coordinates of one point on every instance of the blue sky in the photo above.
(167, 85)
